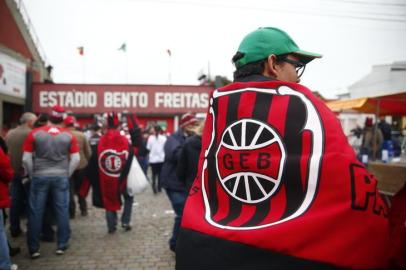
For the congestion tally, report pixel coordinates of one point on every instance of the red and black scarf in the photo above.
(113, 151)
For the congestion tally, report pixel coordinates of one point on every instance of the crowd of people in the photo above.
(372, 141)
(50, 161)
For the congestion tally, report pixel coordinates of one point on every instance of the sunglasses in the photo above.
(299, 66)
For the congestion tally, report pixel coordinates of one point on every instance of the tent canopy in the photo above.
(383, 105)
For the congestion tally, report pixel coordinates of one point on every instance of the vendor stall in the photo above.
(381, 105)
(391, 176)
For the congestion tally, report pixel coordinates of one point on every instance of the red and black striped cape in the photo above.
(279, 187)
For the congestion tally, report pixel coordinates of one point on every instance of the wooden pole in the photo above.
(377, 112)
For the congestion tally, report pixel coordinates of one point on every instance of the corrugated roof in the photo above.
(382, 80)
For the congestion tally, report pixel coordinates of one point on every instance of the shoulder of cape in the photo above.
(266, 84)
(272, 85)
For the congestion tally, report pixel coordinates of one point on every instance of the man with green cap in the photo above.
(270, 53)
(278, 186)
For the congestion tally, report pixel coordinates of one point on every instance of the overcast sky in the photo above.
(202, 35)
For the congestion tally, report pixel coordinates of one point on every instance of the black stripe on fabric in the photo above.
(231, 117)
(211, 168)
(295, 120)
(262, 107)
(200, 251)
(261, 110)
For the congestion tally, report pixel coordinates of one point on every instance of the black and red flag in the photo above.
(110, 163)
(276, 175)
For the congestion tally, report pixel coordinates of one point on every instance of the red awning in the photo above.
(383, 105)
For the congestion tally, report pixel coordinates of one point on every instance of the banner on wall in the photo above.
(88, 98)
(12, 76)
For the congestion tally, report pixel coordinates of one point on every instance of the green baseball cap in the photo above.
(265, 41)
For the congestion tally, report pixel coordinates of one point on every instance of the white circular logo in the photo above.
(111, 162)
(250, 160)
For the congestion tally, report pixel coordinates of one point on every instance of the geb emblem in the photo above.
(111, 162)
(250, 160)
(259, 170)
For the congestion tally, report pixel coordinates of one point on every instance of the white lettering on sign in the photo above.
(181, 100)
(69, 99)
(125, 99)
(80, 99)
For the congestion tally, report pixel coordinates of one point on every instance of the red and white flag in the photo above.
(81, 50)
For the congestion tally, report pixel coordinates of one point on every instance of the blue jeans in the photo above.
(177, 199)
(58, 186)
(18, 204)
(5, 262)
(111, 216)
(156, 176)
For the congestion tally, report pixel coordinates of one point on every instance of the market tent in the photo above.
(394, 104)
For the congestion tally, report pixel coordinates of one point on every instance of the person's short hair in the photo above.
(95, 126)
(254, 68)
(26, 117)
(158, 129)
(41, 120)
(55, 120)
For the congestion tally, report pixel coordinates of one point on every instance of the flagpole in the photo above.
(123, 48)
(84, 69)
(208, 71)
(169, 66)
(81, 52)
(170, 70)
(126, 67)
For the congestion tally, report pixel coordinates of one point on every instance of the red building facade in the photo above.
(20, 63)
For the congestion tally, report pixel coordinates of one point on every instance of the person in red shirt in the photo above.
(56, 153)
(6, 175)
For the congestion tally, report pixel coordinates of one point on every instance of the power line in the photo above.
(369, 17)
(369, 13)
(369, 3)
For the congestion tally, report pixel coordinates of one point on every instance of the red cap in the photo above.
(69, 121)
(57, 111)
(187, 119)
(368, 122)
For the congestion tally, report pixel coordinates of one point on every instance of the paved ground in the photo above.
(145, 247)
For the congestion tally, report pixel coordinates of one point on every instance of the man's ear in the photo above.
(271, 69)
(31, 123)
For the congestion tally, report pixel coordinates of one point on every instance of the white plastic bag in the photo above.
(136, 180)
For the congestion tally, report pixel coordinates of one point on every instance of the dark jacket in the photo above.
(92, 174)
(172, 148)
(142, 149)
(386, 130)
(189, 160)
